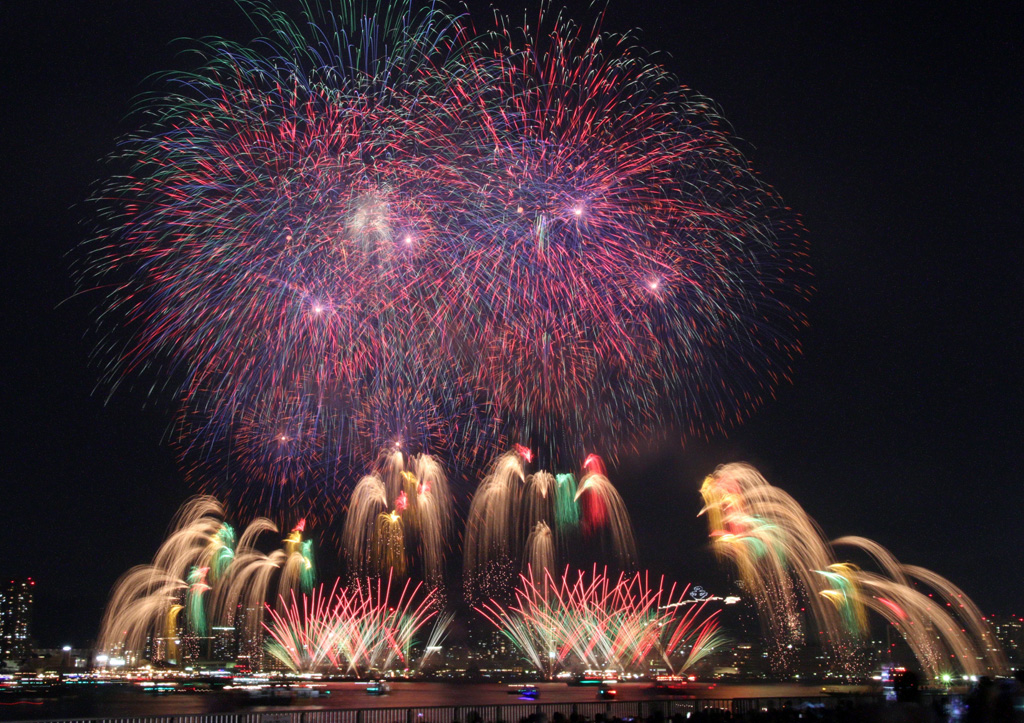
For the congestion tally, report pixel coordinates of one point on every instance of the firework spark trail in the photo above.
(491, 528)
(633, 231)
(260, 223)
(399, 517)
(603, 509)
(199, 575)
(367, 626)
(302, 636)
(782, 556)
(368, 500)
(518, 520)
(364, 228)
(540, 548)
(777, 549)
(593, 621)
(194, 599)
(298, 566)
(937, 634)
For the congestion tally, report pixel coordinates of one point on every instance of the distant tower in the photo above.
(249, 636)
(15, 618)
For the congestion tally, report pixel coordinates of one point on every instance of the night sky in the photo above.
(895, 134)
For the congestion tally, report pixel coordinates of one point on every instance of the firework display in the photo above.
(777, 550)
(367, 627)
(518, 521)
(582, 620)
(782, 556)
(377, 226)
(201, 578)
(398, 515)
(644, 260)
(364, 228)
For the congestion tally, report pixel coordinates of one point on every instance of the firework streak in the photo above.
(201, 576)
(367, 626)
(590, 621)
(783, 557)
(399, 516)
(518, 521)
(365, 228)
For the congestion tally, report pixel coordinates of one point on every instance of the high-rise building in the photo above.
(1009, 631)
(249, 637)
(15, 618)
(225, 643)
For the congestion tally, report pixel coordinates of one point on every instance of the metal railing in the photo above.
(499, 713)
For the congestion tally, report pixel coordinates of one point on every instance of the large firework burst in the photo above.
(363, 228)
(628, 269)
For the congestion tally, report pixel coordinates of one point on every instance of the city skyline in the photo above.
(890, 133)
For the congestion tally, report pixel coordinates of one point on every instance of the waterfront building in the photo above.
(16, 597)
(60, 660)
(1009, 631)
(249, 638)
(225, 643)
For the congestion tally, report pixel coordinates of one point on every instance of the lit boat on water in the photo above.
(596, 678)
(526, 691)
(378, 687)
(671, 685)
(263, 692)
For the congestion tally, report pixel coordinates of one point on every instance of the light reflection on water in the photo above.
(114, 702)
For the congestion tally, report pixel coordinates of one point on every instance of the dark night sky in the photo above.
(896, 135)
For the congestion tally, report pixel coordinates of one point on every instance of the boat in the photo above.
(526, 691)
(269, 694)
(378, 687)
(309, 691)
(158, 687)
(670, 685)
(595, 677)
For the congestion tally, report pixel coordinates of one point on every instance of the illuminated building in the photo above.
(249, 637)
(225, 643)
(15, 618)
(1009, 632)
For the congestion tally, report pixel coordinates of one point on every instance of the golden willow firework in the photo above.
(783, 558)
(518, 521)
(581, 621)
(399, 517)
(363, 227)
(201, 577)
